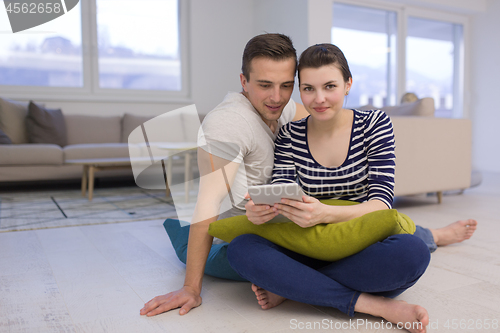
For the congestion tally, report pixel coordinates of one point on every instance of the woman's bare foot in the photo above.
(266, 298)
(411, 317)
(454, 233)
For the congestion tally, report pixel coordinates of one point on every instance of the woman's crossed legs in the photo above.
(364, 282)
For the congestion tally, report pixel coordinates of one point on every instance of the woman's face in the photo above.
(322, 90)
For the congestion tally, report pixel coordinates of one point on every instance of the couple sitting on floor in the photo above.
(333, 153)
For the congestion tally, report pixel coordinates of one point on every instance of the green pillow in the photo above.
(327, 242)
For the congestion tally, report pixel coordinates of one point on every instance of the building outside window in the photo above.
(48, 58)
(372, 41)
(138, 45)
(138, 49)
(367, 37)
(432, 53)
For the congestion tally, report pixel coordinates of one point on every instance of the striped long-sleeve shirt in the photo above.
(366, 174)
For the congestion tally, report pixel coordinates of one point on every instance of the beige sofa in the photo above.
(432, 154)
(89, 137)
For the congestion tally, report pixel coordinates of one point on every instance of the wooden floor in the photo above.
(97, 278)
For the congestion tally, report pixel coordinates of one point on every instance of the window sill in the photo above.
(124, 96)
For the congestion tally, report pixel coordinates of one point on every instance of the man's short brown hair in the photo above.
(272, 46)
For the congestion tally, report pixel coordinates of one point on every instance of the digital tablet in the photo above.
(271, 194)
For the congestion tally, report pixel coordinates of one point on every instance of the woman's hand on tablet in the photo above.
(259, 214)
(305, 214)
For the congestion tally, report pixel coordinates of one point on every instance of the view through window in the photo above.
(48, 56)
(433, 65)
(139, 45)
(368, 39)
(432, 53)
(138, 48)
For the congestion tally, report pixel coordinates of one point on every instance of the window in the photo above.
(432, 50)
(132, 56)
(52, 58)
(385, 63)
(139, 54)
(368, 39)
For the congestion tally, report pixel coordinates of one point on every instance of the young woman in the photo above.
(343, 154)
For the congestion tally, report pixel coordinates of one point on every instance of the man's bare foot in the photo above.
(454, 233)
(413, 318)
(266, 298)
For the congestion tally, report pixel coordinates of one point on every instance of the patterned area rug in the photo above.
(61, 208)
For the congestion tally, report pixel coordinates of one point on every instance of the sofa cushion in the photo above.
(131, 122)
(12, 118)
(45, 125)
(367, 107)
(93, 129)
(423, 107)
(4, 139)
(90, 151)
(31, 154)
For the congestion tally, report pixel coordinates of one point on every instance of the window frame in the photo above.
(460, 86)
(90, 91)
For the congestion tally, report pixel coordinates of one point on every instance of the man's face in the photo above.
(270, 86)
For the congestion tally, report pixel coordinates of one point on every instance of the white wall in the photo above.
(282, 16)
(219, 32)
(270, 16)
(485, 72)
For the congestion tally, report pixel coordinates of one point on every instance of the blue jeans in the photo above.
(217, 264)
(426, 235)
(386, 268)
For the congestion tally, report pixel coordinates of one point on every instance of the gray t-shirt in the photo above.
(235, 131)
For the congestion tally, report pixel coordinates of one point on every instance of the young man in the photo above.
(240, 135)
(248, 122)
